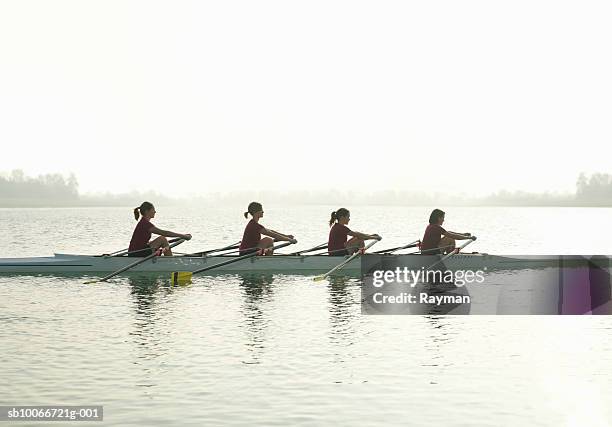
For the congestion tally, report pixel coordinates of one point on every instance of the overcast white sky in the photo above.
(189, 97)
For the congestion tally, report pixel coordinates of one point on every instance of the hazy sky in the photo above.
(189, 97)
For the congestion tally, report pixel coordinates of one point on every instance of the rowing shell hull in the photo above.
(305, 264)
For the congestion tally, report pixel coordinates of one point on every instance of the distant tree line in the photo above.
(54, 186)
(18, 190)
(595, 189)
(56, 190)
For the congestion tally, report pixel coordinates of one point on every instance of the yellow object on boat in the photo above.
(181, 277)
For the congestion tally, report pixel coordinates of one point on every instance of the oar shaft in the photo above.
(315, 248)
(212, 251)
(117, 253)
(239, 258)
(232, 246)
(399, 248)
(140, 261)
(455, 251)
(335, 251)
(238, 250)
(356, 254)
(126, 251)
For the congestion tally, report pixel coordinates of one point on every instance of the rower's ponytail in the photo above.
(144, 207)
(253, 208)
(333, 219)
(336, 215)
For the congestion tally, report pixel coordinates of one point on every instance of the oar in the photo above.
(126, 250)
(185, 276)
(455, 251)
(212, 251)
(315, 248)
(241, 250)
(330, 252)
(426, 251)
(399, 248)
(116, 253)
(134, 264)
(342, 264)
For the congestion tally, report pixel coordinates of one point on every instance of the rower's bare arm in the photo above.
(167, 233)
(278, 236)
(458, 236)
(364, 236)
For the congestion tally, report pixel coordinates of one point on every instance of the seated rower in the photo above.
(436, 239)
(338, 243)
(140, 245)
(252, 240)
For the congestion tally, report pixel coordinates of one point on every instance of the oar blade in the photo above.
(320, 278)
(181, 277)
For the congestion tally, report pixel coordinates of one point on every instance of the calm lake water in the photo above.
(281, 349)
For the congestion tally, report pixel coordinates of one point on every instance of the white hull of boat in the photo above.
(304, 264)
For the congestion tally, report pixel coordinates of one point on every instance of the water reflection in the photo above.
(143, 290)
(146, 291)
(150, 335)
(343, 309)
(257, 290)
(256, 287)
(340, 299)
(341, 302)
(439, 336)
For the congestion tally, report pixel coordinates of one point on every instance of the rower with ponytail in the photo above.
(338, 243)
(140, 210)
(252, 240)
(342, 212)
(140, 245)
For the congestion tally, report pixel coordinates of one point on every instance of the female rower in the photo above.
(338, 245)
(252, 240)
(433, 241)
(140, 245)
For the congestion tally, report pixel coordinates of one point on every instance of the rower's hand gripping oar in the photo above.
(185, 276)
(349, 259)
(454, 252)
(134, 264)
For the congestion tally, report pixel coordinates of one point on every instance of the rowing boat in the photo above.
(289, 264)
